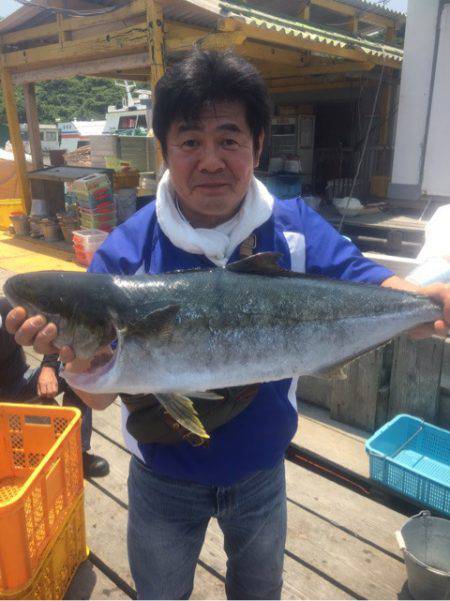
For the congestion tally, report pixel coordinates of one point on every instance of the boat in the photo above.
(133, 117)
(75, 134)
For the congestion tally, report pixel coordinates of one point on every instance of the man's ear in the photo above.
(257, 151)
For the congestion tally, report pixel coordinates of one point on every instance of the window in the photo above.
(142, 121)
(127, 122)
(51, 136)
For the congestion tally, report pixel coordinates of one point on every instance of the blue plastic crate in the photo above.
(413, 457)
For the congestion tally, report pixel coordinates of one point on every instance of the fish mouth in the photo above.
(101, 366)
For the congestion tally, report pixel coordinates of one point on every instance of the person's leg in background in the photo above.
(24, 390)
(94, 466)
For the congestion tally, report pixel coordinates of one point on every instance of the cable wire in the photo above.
(363, 152)
(72, 12)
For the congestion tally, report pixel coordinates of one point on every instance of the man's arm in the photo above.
(35, 332)
(47, 383)
(95, 401)
(398, 283)
(439, 293)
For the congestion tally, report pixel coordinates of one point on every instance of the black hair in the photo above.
(204, 78)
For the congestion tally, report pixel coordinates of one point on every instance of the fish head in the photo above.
(66, 299)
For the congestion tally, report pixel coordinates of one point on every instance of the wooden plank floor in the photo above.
(340, 545)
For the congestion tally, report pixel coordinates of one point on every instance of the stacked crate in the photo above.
(95, 202)
(86, 243)
(42, 527)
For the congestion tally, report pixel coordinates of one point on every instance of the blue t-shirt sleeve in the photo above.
(334, 256)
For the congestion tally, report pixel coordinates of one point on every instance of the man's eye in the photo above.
(229, 143)
(190, 144)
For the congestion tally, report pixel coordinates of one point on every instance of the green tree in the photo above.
(81, 98)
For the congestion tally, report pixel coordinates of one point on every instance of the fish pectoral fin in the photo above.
(159, 322)
(182, 409)
(338, 372)
(207, 395)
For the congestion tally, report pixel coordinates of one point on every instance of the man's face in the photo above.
(211, 162)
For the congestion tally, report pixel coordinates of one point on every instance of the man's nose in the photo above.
(211, 159)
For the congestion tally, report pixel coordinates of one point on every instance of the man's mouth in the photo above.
(212, 185)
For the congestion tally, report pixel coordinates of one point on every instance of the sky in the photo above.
(8, 6)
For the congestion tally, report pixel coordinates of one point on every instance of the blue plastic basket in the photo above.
(413, 457)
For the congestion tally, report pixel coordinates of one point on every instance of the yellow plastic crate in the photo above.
(60, 562)
(8, 206)
(41, 479)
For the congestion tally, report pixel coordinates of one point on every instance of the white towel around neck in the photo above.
(218, 243)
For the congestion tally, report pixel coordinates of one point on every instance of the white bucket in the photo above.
(425, 542)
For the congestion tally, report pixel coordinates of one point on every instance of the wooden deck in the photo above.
(340, 544)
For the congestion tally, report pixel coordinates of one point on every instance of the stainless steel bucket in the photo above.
(425, 542)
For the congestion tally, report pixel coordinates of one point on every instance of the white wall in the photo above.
(414, 90)
(436, 176)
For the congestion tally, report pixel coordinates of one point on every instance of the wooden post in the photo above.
(354, 400)
(385, 109)
(63, 35)
(305, 11)
(155, 24)
(416, 376)
(16, 138)
(390, 35)
(33, 125)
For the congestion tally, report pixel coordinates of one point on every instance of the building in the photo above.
(332, 68)
(421, 173)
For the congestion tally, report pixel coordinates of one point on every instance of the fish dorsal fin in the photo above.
(265, 263)
(159, 322)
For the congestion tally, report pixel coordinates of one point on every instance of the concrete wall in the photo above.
(436, 175)
(415, 92)
(422, 151)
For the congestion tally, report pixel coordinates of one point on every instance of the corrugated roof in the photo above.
(300, 29)
(205, 13)
(375, 7)
(290, 8)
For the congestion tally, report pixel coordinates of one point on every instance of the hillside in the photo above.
(83, 98)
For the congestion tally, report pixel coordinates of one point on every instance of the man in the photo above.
(211, 112)
(20, 383)
(17, 378)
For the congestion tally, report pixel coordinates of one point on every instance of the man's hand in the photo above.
(47, 384)
(36, 332)
(437, 292)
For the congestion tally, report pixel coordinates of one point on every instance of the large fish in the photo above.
(199, 330)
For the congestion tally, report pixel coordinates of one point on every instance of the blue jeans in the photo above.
(167, 524)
